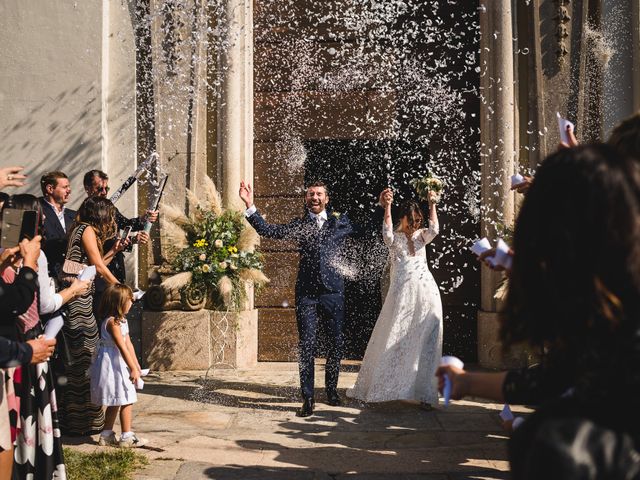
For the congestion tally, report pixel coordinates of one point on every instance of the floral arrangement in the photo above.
(427, 184)
(213, 249)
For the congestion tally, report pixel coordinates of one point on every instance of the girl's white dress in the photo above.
(406, 344)
(110, 382)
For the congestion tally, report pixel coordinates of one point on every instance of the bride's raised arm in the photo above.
(386, 198)
(428, 234)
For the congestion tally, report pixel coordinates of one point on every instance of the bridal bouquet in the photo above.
(427, 184)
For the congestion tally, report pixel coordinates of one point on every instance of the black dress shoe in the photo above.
(306, 410)
(333, 398)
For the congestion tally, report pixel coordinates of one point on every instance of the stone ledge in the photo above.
(179, 340)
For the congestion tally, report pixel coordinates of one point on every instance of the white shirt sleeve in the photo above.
(50, 301)
(250, 211)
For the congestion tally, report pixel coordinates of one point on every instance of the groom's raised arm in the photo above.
(264, 229)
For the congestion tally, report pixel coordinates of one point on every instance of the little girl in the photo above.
(115, 369)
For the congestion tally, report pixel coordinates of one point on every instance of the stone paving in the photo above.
(241, 424)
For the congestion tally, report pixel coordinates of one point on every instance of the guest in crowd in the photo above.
(575, 294)
(58, 220)
(95, 223)
(15, 300)
(38, 449)
(96, 184)
(115, 371)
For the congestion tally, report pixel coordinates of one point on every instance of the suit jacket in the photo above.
(320, 250)
(55, 243)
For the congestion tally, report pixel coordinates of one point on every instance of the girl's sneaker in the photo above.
(109, 440)
(132, 442)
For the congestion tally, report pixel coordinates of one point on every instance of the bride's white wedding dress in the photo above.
(406, 344)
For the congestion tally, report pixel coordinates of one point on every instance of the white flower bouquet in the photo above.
(427, 184)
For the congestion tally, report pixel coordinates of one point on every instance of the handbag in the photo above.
(71, 267)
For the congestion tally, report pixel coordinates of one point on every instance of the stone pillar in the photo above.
(235, 104)
(180, 51)
(179, 58)
(497, 112)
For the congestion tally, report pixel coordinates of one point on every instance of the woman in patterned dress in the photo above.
(95, 223)
(15, 299)
(38, 449)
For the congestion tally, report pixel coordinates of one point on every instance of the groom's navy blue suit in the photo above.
(319, 288)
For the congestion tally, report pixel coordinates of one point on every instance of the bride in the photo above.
(406, 344)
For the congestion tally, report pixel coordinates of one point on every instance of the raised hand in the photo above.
(9, 256)
(386, 198)
(246, 193)
(142, 238)
(11, 177)
(30, 251)
(573, 141)
(523, 187)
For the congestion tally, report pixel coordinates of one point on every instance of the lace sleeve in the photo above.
(387, 234)
(428, 234)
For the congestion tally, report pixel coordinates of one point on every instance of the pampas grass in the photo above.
(178, 281)
(175, 215)
(249, 239)
(175, 235)
(212, 196)
(225, 288)
(253, 275)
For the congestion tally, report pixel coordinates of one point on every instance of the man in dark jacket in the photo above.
(96, 183)
(58, 220)
(320, 236)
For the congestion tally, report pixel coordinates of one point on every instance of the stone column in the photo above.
(235, 103)
(497, 112)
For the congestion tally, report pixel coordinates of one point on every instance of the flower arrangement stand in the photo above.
(198, 340)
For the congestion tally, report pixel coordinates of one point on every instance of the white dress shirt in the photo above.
(59, 214)
(320, 218)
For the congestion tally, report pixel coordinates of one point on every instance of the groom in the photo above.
(319, 286)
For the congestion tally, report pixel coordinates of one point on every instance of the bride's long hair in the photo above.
(412, 211)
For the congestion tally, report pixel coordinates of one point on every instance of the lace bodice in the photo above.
(399, 247)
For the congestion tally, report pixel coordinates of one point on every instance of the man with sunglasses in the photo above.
(96, 183)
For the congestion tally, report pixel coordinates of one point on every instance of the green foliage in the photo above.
(427, 184)
(107, 464)
(213, 252)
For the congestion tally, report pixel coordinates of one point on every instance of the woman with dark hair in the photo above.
(95, 223)
(406, 344)
(574, 293)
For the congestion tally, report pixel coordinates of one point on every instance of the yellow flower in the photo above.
(200, 243)
(232, 249)
(206, 268)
